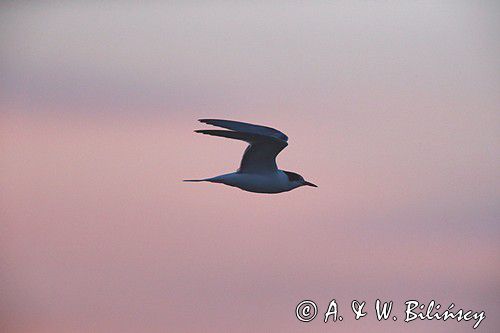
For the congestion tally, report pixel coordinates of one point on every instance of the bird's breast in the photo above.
(274, 182)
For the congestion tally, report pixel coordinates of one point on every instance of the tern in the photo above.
(258, 171)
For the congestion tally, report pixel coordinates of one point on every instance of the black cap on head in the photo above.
(292, 176)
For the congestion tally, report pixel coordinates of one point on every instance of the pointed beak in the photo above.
(310, 184)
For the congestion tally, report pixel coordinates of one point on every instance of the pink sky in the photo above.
(391, 109)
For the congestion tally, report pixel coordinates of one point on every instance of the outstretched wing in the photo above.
(260, 155)
(239, 126)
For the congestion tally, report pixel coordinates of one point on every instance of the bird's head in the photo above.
(298, 180)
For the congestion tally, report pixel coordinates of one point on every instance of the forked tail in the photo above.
(211, 180)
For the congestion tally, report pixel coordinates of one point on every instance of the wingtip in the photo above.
(210, 121)
(204, 131)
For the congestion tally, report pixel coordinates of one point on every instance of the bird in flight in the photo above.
(258, 171)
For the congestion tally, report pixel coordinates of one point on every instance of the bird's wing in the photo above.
(239, 126)
(260, 155)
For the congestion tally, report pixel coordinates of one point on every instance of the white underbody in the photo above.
(269, 182)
